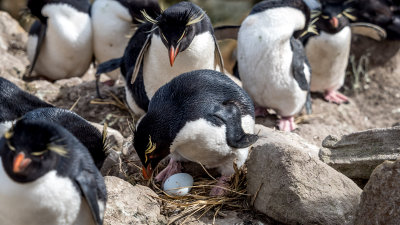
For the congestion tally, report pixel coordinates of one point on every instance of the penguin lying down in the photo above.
(16, 103)
(48, 177)
(200, 116)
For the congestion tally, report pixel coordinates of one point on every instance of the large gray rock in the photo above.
(127, 204)
(290, 184)
(356, 155)
(380, 198)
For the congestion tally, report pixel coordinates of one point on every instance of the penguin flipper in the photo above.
(106, 67)
(226, 32)
(308, 104)
(87, 185)
(218, 58)
(235, 136)
(39, 29)
(368, 30)
(140, 57)
(299, 59)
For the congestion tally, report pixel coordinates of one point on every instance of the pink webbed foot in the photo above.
(335, 97)
(109, 83)
(260, 111)
(221, 187)
(287, 124)
(172, 168)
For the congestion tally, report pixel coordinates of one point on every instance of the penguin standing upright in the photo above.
(14, 103)
(180, 39)
(113, 21)
(48, 177)
(60, 42)
(271, 61)
(328, 53)
(200, 116)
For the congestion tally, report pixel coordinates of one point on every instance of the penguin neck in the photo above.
(158, 71)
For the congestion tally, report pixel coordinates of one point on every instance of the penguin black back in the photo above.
(14, 102)
(135, 8)
(87, 134)
(33, 148)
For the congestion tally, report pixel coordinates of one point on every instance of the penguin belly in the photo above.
(112, 28)
(203, 142)
(328, 55)
(157, 70)
(265, 67)
(67, 48)
(48, 200)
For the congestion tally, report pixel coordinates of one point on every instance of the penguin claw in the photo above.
(336, 97)
(221, 187)
(287, 124)
(172, 168)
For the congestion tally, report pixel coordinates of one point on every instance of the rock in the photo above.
(356, 155)
(380, 198)
(290, 184)
(13, 59)
(127, 204)
(114, 138)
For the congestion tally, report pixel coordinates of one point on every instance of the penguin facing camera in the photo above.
(200, 116)
(48, 177)
(60, 41)
(114, 22)
(180, 39)
(271, 60)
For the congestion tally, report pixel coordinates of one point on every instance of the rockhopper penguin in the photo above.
(60, 42)
(48, 177)
(180, 39)
(272, 63)
(329, 52)
(200, 116)
(114, 22)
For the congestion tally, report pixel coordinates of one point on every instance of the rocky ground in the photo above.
(288, 177)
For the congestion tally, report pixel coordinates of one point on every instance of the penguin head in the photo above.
(150, 146)
(30, 149)
(335, 15)
(178, 25)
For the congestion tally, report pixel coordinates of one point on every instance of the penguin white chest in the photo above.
(48, 200)
(112, 28)
(265, 60)
(328, 55)
(157, 70)
(67, 48)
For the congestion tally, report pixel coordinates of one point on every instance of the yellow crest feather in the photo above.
(148, 17)
(195, 20)
(150, 148)
(57, 149)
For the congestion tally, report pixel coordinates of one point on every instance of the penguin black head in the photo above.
(178, 25)
(31, 149)
(150, 145)
(36, 6)
(335, 15)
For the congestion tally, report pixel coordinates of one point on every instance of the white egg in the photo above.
(178, 184)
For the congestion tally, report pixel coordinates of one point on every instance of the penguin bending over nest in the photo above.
(114, 22)
(183, 34)
(271, 61)
(48, 177)
(200, 116)
(60, 42)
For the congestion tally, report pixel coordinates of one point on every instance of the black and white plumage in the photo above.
(271, 61)
(328, 52)
(60, 42)
(48, 177)
(180, 39)
(14, 103)
(200, 116)
(113, 22)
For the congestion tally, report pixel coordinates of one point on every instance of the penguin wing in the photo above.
(230, 114)
(88, 185)
(369, 30)
(299, 59)
(218, 57)
(38, 29)
(139, 58)
(226, 32)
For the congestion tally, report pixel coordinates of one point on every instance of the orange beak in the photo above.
(147, 172)
(20, 163)
(334, 22)
(173, 52)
